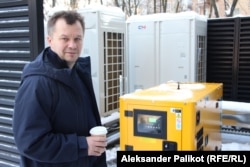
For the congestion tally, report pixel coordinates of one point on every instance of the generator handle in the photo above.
(121, 85)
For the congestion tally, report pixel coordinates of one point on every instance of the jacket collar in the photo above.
(49, 64)
(53, 58)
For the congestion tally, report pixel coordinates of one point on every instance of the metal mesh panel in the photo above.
(113, 69)
(201, 59)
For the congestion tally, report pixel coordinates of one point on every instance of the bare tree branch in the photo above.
(215, 8)
(154, 6)
(53, 3)
(232, 8)
(177, 6)
(164, 5)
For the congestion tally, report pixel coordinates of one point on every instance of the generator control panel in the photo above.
(150, 123)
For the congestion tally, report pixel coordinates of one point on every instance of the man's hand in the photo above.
(96, 145)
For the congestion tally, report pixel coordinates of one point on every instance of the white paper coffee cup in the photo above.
(98, 131)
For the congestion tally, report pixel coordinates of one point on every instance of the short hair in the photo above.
(71, 17)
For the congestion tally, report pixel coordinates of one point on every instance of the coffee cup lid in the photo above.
(98, 130)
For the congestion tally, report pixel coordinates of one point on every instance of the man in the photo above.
(55, 106)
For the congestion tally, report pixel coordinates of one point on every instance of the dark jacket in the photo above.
(49, 123)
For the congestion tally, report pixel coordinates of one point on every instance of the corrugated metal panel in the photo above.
(243, 93)
(18, 31)
(220, 53)
(229, 56)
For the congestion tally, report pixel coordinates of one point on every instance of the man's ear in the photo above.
(49, 39)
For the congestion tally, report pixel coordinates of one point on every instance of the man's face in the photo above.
(67, 41)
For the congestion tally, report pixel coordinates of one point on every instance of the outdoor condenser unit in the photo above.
(165, 47)
(104, 43)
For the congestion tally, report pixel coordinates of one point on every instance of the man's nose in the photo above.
(72, 44)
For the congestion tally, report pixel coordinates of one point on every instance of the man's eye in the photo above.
(78, 39)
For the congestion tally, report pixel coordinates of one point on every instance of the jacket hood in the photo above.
(54, 69)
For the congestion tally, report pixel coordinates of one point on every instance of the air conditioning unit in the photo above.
(104, 42)
(165, 47)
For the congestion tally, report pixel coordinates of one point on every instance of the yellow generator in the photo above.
(172, 117)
